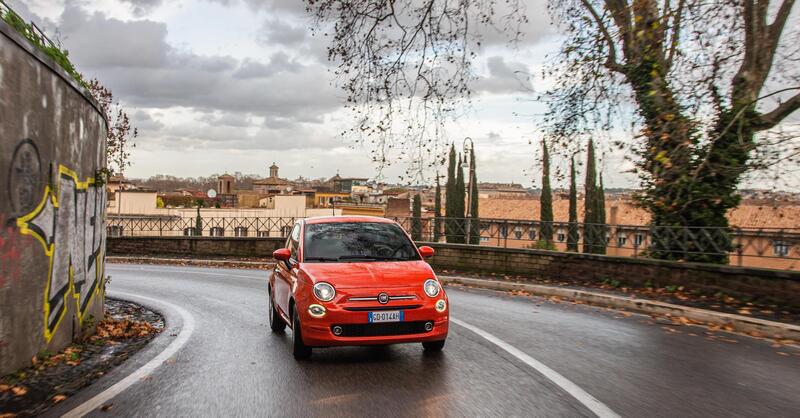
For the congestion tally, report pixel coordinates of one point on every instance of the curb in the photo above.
(752, 326)
(188, 262)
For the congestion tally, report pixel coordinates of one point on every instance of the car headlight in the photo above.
(431, 288)
(317, 311)
(441, 305)
(324, 291)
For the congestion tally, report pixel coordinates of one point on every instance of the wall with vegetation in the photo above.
(52, 204)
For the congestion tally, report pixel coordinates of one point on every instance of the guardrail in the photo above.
(761, 247)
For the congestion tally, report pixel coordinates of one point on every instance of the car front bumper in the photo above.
(356, 329)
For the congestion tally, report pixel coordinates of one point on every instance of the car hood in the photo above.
(370, 274)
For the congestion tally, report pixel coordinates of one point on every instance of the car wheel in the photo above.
(433, 345)
(275, 321)
(299, 350)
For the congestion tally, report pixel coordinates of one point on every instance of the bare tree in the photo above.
(120, 131)
(405, 67)
(705, 83)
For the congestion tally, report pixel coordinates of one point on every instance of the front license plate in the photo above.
(386, 316)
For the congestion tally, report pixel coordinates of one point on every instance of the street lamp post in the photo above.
(469, 148)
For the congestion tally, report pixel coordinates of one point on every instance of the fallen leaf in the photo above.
(19, 390)
(58, 398)
(106, 407)
(4, 388)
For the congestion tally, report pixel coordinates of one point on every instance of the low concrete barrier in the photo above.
(765, 285)
(194, 246)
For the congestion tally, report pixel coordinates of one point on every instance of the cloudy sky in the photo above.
(233, 85)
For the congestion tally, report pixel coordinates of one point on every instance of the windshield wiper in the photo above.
(372, 257)
(323, 259)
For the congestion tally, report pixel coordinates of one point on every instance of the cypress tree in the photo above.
(460, 204)
(450, 197)
(572, 234)
(416, 222)
(590, 202)
(475, 224)
(546, 202)
(601, 216)
(437, 208)
(198, 221)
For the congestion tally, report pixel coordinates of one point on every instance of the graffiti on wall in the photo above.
(68, 223)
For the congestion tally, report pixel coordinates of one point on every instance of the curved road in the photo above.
(232, 365)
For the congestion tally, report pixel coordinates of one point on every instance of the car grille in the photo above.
(383, 329)
(382, 308)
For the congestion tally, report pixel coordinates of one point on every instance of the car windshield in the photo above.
(356, 241)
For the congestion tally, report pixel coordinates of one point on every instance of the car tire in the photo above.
(299, 349)
(433, 345)
(275, 321)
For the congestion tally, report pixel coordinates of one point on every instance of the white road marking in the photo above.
(589, 401)
(173, 270)
(104, 396)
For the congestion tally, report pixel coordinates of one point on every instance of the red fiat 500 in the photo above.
(355, 281)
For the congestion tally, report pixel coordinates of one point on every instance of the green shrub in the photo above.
(57, 54)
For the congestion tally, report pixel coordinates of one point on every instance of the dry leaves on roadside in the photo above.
(58, 398)
(111, 328)
(19, 390)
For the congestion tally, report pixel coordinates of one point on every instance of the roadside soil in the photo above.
(53, 377)
(679, 295)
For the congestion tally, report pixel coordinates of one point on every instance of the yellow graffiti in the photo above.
(42, 224)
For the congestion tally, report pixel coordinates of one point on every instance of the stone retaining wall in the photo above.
(52, 204)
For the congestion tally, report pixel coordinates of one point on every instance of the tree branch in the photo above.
(676, 33)
(611, 61)
(769, 120)
(776, 28)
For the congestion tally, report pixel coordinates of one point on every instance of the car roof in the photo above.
(343, 219)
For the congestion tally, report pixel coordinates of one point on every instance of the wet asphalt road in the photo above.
(233, 366)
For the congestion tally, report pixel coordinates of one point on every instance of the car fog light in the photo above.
(317, 311)
(337, 330)
(441, 305)
(428, 326)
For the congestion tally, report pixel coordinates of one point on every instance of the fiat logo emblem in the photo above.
(383, 298)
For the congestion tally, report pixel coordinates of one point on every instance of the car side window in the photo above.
(294, 241)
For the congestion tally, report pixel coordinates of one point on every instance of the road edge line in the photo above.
(183, 337)
(739, 323)
(598, 408)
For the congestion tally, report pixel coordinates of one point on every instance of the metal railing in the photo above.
(29, 30)
(729, 245)
(701, 244)
(206, 226)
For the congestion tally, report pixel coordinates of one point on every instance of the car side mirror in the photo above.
(282, 254)
(426, 252)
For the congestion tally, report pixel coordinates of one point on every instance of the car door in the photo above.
(285, 271)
